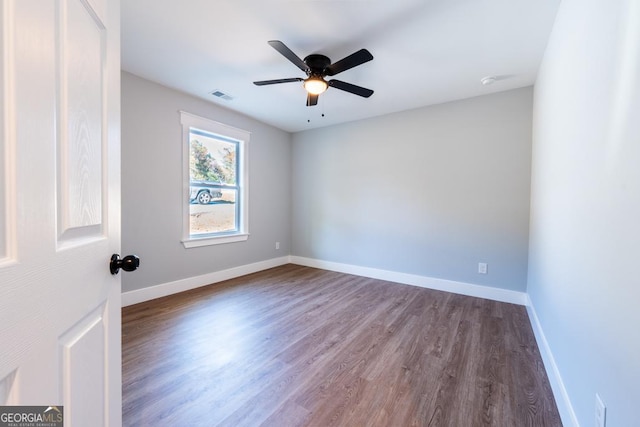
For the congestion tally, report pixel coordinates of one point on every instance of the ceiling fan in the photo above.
(317, 67)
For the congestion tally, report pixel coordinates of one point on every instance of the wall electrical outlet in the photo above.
(277, 245)
(482, 267)
(601, 412)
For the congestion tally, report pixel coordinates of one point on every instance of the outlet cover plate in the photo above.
(482, 267)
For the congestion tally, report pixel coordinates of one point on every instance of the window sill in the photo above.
(196, 242)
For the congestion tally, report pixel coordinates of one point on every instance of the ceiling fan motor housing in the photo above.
(317, 64)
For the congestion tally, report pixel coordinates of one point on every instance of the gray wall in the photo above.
(585, 205)
(152, 187)
(431, 191)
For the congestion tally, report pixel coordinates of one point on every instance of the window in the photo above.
(215, 182)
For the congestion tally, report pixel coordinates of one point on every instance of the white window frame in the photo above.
(188, 121)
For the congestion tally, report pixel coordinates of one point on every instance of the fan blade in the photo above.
(273, 82)
(312, 100)
(288, 53)
(348, 87)
(353, 60)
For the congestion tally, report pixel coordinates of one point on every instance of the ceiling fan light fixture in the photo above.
(315, 85)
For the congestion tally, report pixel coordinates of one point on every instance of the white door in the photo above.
(60, 207)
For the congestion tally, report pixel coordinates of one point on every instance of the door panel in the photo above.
(60, 207)
(81, 140)
(7, 190)
(3, 167)
(83, 369)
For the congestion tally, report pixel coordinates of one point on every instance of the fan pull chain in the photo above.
(320, 101)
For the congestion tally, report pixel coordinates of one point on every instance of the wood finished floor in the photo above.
(297, 346)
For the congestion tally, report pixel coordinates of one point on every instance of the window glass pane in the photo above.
(213, 187)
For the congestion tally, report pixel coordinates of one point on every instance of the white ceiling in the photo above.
(425, 51)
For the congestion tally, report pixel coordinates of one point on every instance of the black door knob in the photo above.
(128, 263)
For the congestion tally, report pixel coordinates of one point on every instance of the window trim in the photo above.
(189, 120)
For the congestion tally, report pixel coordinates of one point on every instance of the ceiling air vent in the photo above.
(222, 95)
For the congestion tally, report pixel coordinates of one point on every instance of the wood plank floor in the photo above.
(297, 346)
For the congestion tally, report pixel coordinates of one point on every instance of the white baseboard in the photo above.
(487, 292)
(553, 373)
(162, 290)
